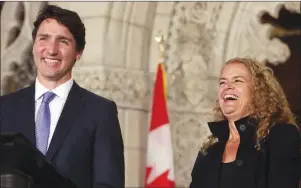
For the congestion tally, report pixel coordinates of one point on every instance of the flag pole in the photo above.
(160, 40)
(161, 45)
(159, 154)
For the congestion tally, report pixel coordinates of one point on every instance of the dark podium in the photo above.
(23, 166)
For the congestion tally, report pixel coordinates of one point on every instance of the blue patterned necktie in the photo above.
(43, 122)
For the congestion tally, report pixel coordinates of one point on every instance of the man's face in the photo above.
(235, 91)
(54, 51)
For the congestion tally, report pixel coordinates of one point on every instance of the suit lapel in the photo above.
(71, 110)
(26, 121)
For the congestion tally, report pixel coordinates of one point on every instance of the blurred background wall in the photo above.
(121, 55)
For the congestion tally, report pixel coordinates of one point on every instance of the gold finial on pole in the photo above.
(161, 43)
(160, 40)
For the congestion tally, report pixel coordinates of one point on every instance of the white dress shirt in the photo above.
(56, 105)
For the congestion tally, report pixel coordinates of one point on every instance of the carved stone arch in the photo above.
(249, 38)
(17, 65)
(135, 20)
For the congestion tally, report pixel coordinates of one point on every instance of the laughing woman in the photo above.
(255, 142)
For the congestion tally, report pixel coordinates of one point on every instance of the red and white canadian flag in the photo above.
(159, 163)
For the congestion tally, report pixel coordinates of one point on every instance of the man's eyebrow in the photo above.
(43, 35)
(64, 37)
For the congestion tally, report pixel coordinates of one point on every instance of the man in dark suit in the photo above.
(77, 130)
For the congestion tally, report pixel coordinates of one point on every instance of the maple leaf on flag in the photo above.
(161, 181)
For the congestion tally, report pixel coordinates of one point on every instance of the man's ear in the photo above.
(78, 55)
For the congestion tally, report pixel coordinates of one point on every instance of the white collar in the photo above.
(61, 91)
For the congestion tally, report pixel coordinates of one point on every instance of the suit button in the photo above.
(239, 162)
(242, 127)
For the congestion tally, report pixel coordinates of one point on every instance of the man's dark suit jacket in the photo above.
(86, 146)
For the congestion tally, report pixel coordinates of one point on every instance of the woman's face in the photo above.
(235, 91)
